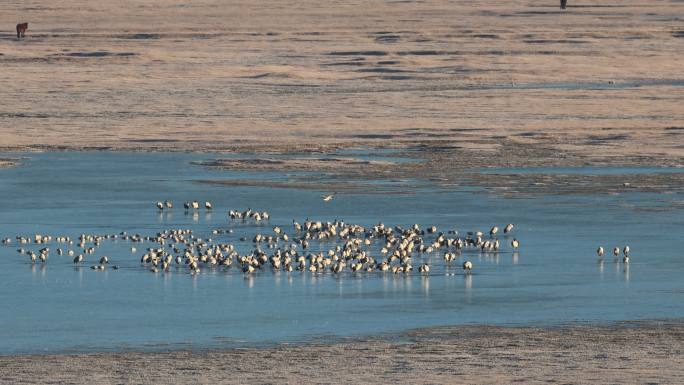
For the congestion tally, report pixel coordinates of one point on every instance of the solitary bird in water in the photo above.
(467, 266)
(600, 251)
(625, 251)
(515, 243)
(328, 198)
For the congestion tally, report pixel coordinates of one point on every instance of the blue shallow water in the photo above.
(554, 279)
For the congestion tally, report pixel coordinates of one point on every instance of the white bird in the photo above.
(508, 228)
(515, 243)
(328, 198)
(467, 266)
(625, 250)
(625, 259)
(160, 206)
(494, 230)
(600, 251)
(207, 205)
(616, 251)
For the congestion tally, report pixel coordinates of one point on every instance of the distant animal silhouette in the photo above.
(21, 30)
(563, 3)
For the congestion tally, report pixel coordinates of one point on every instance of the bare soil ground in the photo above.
(597, 81)
(628, 352)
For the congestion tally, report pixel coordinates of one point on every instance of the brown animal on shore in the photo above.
(21, 30)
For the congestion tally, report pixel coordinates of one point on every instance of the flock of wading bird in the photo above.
(616, 252)
(339, 246)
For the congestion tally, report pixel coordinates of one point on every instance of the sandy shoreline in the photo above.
(625, 352)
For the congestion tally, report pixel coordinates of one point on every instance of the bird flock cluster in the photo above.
(309, 246)
(194, 205)
(616, 252)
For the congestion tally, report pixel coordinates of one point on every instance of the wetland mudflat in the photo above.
(626, 352)
(602, 82)
(461, 115)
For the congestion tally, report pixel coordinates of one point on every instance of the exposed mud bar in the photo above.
(513, 169)
(625, 352)
(8, 162)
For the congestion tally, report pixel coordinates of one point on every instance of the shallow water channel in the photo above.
(554, 278)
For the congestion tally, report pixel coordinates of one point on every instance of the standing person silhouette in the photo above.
(563, 3)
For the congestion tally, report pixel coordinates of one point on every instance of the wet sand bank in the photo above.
(625, 352)
(8, 162)
(515, 171)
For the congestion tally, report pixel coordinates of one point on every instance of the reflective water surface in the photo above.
(555, 278)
